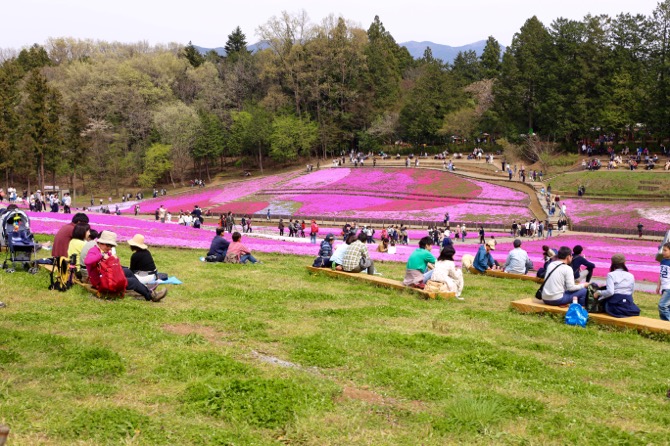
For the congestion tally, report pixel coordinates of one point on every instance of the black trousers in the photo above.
(135, 285)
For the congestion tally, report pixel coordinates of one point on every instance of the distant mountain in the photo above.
(444, 52)
(222, 52)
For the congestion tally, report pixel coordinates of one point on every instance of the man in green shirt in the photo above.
(416, 275)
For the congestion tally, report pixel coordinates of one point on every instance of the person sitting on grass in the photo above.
(559, 286)
(218, 249)
(356, 257)
(79, 238)
(91, 241)
(517, 261)
(241, 252)
(102, 250)
(337, 258)
(578, 261)
(445, 273)
(420, 264)
(141, 261)
(383, 246)
(484, 259)
(618, 294)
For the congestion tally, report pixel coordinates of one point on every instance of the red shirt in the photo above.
(62, 240)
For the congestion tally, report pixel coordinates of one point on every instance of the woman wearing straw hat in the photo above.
(141, 261)
(102, 250)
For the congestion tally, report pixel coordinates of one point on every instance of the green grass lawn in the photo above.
(268, 354)
(622, 183)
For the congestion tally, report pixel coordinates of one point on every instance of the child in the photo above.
(664, 284)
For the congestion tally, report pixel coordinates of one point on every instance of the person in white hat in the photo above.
(102, 250)
(141, 261)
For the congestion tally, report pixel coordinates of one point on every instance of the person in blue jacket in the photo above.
(484, 260)
(219, 246)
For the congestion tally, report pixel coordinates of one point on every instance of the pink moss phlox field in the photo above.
(211, 198)
(618, 214)
(397, 194)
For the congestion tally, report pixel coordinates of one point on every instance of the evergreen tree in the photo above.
(41, 121)
(490, 59)
(236, 46)
(467, 67)
(385, 70)
(193, 56)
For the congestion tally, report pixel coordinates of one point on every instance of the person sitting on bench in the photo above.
(618, 294)
(484, 260)
(338, 256)
(420, 265)
(559, 284)
(517, 261)
(356, 258)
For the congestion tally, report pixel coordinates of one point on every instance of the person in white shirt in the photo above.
(517, 261)
(559, 286)
(618, 294)
(445, 272)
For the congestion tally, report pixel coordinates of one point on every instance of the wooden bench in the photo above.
(504, 275)
(639, 323)
(380, 281)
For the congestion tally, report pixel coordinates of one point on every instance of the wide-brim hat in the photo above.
(137, 241)
(107, 238)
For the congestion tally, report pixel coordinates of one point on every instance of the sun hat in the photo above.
(107, 238)
(137, 241)
(491, 244)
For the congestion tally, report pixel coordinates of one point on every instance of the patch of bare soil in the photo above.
(358, 394)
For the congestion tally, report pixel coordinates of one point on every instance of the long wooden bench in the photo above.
(380, 281)
(504, 275)
(639, 323)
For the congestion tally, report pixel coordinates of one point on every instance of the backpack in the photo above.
(112, 278)
(61, 276)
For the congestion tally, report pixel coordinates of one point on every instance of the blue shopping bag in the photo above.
(576, 315)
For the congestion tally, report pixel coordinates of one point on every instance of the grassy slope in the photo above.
(618, 183)
(376, 366)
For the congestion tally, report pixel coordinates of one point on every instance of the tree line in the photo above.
(96, 112)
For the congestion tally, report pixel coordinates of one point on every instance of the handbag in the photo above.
(318, 262)
(538, 293)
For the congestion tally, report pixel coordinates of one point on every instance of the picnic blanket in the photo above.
(172, 280)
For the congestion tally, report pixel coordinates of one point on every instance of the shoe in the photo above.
(157, 296)
(202, 259)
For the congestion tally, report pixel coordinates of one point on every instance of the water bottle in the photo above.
(574, 299)
(113, 251)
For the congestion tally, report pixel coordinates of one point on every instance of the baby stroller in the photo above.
(18, 240)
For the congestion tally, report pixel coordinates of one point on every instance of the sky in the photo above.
(207, 23)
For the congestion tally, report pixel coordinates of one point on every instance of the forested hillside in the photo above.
(99, 111)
